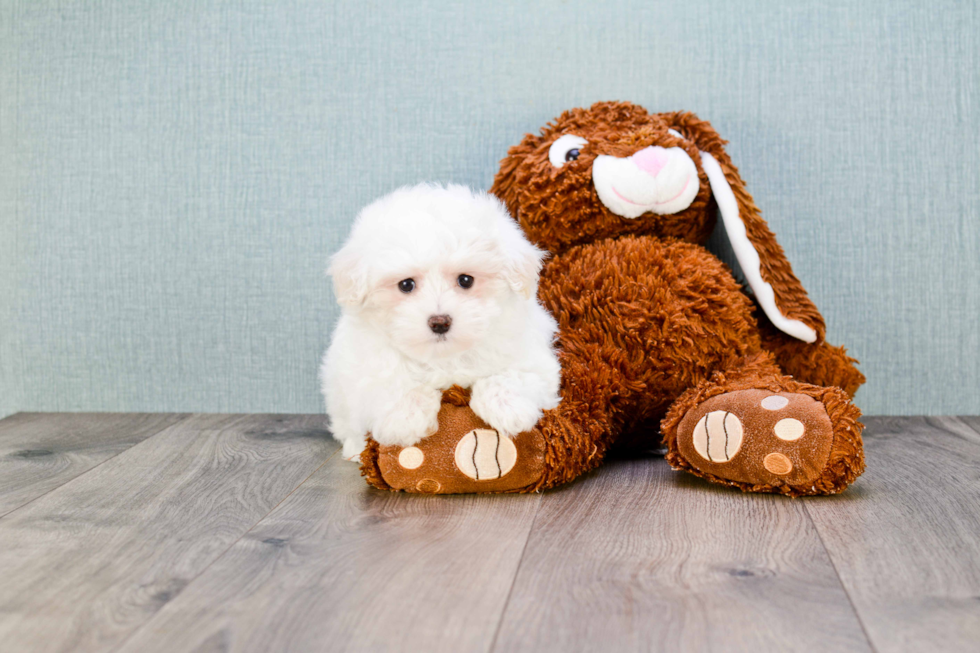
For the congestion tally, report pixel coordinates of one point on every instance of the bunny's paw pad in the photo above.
(464, 456)
(758, 437)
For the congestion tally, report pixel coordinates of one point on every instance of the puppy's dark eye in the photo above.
(571, 155)
(406, 285)
(465, 281)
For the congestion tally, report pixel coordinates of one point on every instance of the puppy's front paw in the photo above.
(503, 409)
(415, 416)
(352, 449)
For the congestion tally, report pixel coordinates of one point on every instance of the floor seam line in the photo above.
(513, 582)
(963, 421)
(850, 599)
(96, 466)
(227, 549)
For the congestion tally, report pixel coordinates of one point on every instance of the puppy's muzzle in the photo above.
(440, 323)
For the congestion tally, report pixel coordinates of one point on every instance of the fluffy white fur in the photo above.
(385, 369)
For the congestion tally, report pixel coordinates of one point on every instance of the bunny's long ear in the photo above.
(768, 272)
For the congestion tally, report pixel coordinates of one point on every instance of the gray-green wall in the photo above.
(173, 175)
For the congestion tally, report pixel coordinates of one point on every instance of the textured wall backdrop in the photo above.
(173, 175)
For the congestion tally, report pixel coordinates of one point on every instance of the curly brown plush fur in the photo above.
(651, 323)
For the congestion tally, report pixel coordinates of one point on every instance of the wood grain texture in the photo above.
(906, 539)
(340, 566)
(212, 535)
(638, 557)
(88, 563)
(40, 451)
(972, 421)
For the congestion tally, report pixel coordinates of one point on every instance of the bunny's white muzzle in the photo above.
(653, 180)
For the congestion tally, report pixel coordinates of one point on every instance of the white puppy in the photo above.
(437, 287)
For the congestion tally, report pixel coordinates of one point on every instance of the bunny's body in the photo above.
(654, 331)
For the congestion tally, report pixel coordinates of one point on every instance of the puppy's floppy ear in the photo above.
(768, 272)
(523, 268)
(522, 260)
(350, 282)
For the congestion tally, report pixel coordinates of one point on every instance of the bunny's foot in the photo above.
(767, 435)
(464, 456)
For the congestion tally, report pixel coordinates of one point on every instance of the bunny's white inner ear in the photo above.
(745, 252)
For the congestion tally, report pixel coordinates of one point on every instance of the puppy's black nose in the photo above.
(440, 323)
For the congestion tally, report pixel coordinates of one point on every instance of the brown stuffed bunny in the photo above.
(654, 329)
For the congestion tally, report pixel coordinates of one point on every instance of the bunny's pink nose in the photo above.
(651, 160)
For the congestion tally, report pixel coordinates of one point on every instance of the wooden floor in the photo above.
(249, 533)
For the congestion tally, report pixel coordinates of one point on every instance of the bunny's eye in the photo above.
(465, 281)
(566, 148)
(406, 285)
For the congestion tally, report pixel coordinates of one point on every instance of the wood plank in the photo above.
(341, 566)
(907, 542)
(41, 451)
(638, 557)
(88, 563)
(973, 421)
